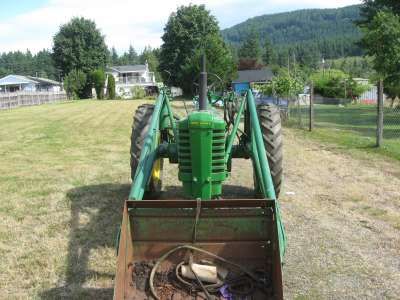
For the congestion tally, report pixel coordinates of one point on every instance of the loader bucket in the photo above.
(243, 232)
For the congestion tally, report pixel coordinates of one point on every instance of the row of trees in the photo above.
(40, 65)
(254, 54)
(358, 66)
(309, 35)
(80, 54)
(79, 58)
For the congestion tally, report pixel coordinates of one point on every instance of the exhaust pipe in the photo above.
(203, 101)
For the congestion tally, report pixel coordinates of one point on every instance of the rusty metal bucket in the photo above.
(242, 231)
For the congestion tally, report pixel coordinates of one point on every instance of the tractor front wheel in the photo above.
(271, 130)
(140, 127)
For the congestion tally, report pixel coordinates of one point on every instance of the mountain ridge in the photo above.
(328, 33)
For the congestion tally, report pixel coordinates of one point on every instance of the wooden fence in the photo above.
(17, 99)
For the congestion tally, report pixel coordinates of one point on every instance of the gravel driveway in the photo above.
(342, 219)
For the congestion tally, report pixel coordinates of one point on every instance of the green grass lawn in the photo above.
(354, 127)
(64, 174)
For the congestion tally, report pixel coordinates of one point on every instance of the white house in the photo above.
(130, 76)
(18, 83)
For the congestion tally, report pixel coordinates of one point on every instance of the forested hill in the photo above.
(329, 33)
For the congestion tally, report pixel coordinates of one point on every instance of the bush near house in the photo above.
(337, 84)
(138, 92)
(98, 78)
(111, 87)
(282, 85)
(75, 83)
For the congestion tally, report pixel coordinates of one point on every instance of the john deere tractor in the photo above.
(203, 246)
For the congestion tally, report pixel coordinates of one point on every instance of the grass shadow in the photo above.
(231, 191)
(96, 213)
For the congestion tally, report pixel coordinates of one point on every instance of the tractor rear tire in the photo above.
(140, 127)
(271, 130)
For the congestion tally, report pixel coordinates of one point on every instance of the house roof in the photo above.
(16, 80)
(42, 80)
(128, 68)
(19, 79)
(254, 75)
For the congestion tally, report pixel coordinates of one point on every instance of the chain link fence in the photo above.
(354, 122)
(391, 119)
(298, 112)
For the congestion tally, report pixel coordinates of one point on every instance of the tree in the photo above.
(129, 58)
(3, 72)
(337, 84)
(283, 85)
(249, 64)
(381, 42)
(44, 65)
(251, 48)
(372, 7)
(392, 88)
(111, 87)
(79, 45)
(219, 62)
(269, 55)
(151, 57)
(114, 57)
(381, 25)
(98, 78)
(132, 56)
(188, 31)
(24, 63)
(74, 83)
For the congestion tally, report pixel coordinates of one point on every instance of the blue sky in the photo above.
(9, 9)
(32, 23)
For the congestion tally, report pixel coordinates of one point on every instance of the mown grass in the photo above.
(354, 127)
(64, 174)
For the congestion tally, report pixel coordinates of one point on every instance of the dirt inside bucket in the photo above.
(169, 287)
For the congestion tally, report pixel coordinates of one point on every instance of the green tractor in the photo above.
(203, 246)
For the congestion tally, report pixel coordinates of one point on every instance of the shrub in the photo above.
(98, 79)
(138, 92)
(337, 84)
(75, 83)
(282, 85)
(111, 87)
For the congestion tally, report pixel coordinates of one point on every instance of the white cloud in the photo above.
(122, 21)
